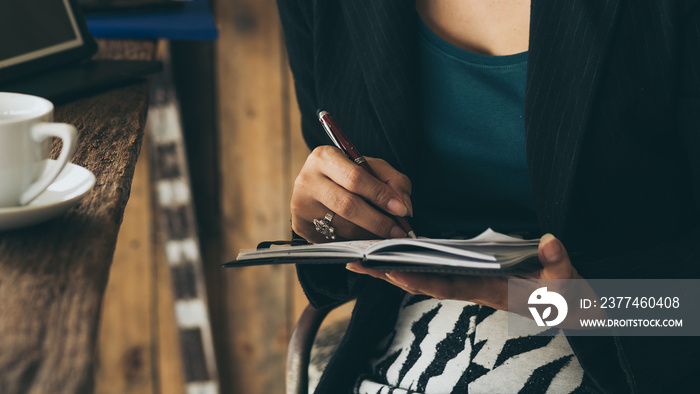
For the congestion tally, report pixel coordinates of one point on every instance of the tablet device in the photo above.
(46, 50)
(39, 35)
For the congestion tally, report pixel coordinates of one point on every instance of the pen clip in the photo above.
(332, 137)
(330, 133)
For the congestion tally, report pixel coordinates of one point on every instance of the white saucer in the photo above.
(71, 185)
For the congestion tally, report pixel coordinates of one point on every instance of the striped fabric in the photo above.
(457, 347)
(613, 139)
(174, 212)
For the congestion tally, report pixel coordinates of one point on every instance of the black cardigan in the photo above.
(612, 118)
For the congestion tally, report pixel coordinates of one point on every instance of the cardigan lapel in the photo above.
(568, 43)
(384, 36)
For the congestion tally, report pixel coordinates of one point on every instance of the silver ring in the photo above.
(324, 227)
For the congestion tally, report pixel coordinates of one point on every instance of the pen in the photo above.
(340, 140)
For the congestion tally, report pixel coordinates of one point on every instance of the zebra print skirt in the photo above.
(461, 347)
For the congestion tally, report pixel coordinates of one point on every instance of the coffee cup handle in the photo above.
(69, 135)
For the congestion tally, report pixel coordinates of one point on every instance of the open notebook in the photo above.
(490, 253)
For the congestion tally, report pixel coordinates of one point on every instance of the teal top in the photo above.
(473, 170)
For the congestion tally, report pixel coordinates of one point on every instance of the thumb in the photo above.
(555, 261)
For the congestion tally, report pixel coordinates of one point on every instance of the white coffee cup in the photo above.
(25, 143)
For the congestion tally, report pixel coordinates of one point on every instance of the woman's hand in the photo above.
(489, 291)
(330, 182)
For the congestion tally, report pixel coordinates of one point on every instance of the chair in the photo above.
(299, 350)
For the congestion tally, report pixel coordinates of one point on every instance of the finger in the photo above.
(333, 164)
(345, 229)
(307, 229)
(555, 260)
(360, 269)
(487, 291)
(395, 179)
(411, 282)
(304, 207)
(437, 286)
(357, 211)
(314, 195)
(303, 224)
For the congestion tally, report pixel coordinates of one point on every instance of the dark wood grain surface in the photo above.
(53, 275)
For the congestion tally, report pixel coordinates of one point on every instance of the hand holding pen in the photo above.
(337, 135)
(334, 196)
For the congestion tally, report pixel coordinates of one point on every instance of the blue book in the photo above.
(192, 21)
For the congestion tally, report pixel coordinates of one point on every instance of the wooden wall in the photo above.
(245, 148)
(261, 152)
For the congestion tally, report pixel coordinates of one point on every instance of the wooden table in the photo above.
(53, 275)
